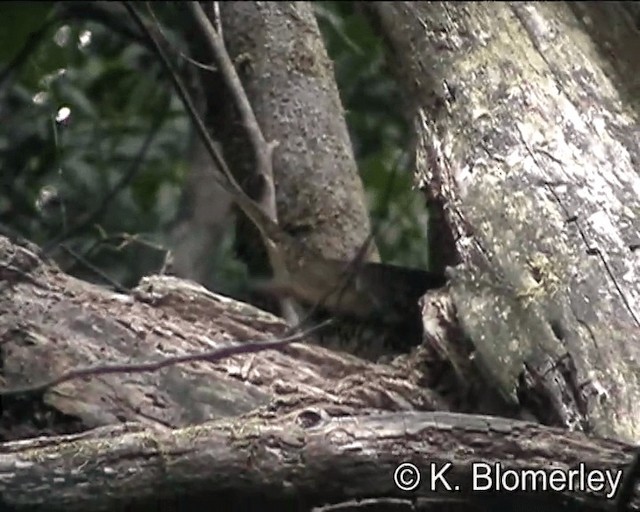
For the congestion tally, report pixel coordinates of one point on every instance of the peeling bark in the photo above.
(298, 461)
(51, 323)
(527, 153)
(530, 151)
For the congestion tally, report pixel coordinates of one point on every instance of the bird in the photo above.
(373, 306)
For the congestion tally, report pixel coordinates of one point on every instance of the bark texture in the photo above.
(527, 154)
(530, 152)
(288, 77)
(52, 323)
(297, 462)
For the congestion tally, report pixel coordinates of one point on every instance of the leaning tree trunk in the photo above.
(528, 150)
(526, 159)
(288, 78)
(291, 429)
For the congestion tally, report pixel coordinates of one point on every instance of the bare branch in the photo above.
(82, 260)
(227, 181)
(126, 178)
(178, 51)
(263, 150)
(211, 356)
(149, 463)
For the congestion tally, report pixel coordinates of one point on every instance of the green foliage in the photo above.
(75, 119)
(80, 101)
(20, 22)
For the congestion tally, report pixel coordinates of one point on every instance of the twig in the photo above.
(29, 47)
(126, 178)
(117, 242)
(85, 263)
(177, 50)
(263, 150)
(229, 183)
(250, 207)
(211, 356)
(216, 12)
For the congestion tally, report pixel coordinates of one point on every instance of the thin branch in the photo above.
(118, 241)
(211, 356)
(227, 181)
(216, 12)
(175, 49)
(126, 178)
(85, 263)
(29, 47)
(256, 212)
(262, 149)
(108, 14)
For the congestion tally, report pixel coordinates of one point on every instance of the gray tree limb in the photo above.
(295, 462)
(527, 153)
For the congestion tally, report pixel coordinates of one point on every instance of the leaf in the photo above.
(18, 22)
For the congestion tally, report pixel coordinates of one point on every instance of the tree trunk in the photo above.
(302, 461)
(528, 150)
(288, 78)
(525, 155)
